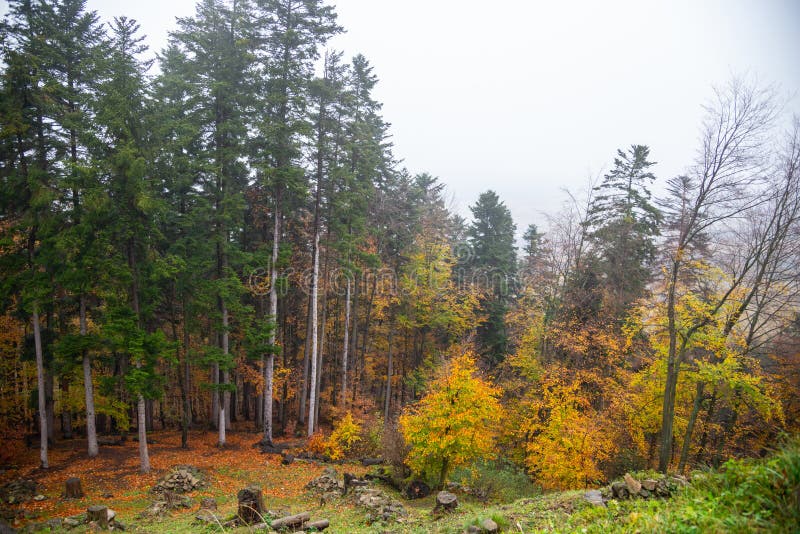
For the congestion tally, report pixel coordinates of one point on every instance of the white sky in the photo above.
(528, 97)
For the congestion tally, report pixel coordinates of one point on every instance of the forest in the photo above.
(221, 242)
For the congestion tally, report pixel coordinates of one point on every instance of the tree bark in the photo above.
(313, 356)
(88, 388)
(345, 342)
(37, 340)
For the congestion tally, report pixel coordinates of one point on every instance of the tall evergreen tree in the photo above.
(493, 266)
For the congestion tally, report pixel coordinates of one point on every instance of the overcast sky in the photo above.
(528, 97)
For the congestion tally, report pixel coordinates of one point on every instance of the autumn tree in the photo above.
(453, 424)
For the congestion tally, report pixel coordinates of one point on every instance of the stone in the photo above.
(488, 525)
(595, 497)
(473, 529)
(287, 459)
(111, 515)
(445, 502)
(71, 522)
(644, 494)
(54, 524)
(649, 484)
(39, 497)
(620, 490)
(632, 484)
(208, 503)
(206, 516)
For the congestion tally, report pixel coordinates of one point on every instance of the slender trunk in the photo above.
(687, 439)
(215, 395)
(144, 457)
(313, 356)
(321, 355)
(185, 402)
(306, 367)
(225, 406)
(346, 342)
(273, 311)
(387, 400)
(673, 366)
(91, 426)
(37, 340)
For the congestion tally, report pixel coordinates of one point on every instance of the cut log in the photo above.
(99, 514)
(317, 526)
(445, 502)
(371, 461)
(291, 521)
(72, 488)
(251, 505)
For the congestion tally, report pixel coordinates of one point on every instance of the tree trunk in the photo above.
(37, 340)
(673, 366)
(313, 356)
(273, 311)
(687, 439)
(306, 367)
(387, 400)
(88, 388)
(225, 405)
(144, 457)
(345, 342)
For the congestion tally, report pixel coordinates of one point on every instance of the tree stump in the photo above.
(251, 505)
(99, 514)
(291, 521)
(208, 503)
(417, 490)
(445, 502)
(72, 489)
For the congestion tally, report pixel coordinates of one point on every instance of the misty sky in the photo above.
(529, 97)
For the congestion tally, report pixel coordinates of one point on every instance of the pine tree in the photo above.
(493, 266)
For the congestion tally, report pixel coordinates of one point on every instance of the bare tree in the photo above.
(723, 185)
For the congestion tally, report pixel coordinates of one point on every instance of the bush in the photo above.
(346, 432)
(498, 480)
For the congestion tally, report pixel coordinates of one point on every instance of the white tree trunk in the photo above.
(346, 342)
(312, 401)
(88, 389)
(273, 311)
(37, 340)
(144, 457)
(226, 398)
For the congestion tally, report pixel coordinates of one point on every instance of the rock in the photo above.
(39, 497)
(620, 490)
(595, 497)
(70, 522)
(18, 491)
(381, 507)
(445, 502)
(679, 480)
(328, 481)
(208, 503)
(291, 521)
(206, 516)
(107, 495)
(488, 525)
(119, 526)
(6, 529)
(649, 484)
(644, 494)
(181, 479)
(317, 526)
(111, 515)
(54, 524)
(632, 484)
(417, 489)
(287, 459)
(251, 505)
(371, 461)
(473, 529)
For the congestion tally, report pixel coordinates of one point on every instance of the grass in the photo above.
(743, 496)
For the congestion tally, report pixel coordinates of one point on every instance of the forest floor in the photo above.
(113, 480)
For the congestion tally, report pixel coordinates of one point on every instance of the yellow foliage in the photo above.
(346, 432)
(569, 438)
(454, 423)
